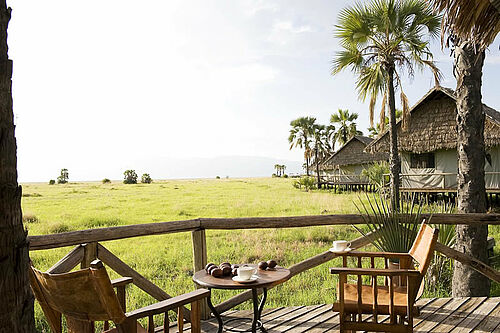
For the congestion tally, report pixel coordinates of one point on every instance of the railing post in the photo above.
(89, 254)
(199, 263)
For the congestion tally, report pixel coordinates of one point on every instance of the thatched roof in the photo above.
(353, 152)
(433, 125)
(476, 20)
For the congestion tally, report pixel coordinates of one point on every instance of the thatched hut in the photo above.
(428, 148)
(346, 165)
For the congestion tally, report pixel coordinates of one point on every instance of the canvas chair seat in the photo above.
(140, 329)
(351, 300)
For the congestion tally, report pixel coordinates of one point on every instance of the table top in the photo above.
(266, 279)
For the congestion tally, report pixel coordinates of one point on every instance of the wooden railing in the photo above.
(88, 247)
(443, 176)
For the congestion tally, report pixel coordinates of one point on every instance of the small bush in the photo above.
(274, 175)
(146, 179)
(98, 222)
(285, 176)
(217, 177)
(52, 182)
(375, 173)
(305, 183)
(130, 177)
(27, 195)
(58, 227)
(30, 218)
(106, 181)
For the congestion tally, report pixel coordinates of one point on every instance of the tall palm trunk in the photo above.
(317, 166)
(471, 186)
(16, 304)
(394, 161)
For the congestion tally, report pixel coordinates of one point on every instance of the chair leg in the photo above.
(128, 326)
(195, 317)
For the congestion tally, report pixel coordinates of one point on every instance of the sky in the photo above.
(181, 88)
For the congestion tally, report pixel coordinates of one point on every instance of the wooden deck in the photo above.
(477, 314)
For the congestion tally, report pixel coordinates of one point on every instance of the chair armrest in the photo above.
(374, 271)
(377, 254)
(123, 281)
(168, 304)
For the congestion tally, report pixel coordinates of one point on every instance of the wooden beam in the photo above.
(89, 254)
(68, 262)
(136, 230)
(104, 234)
(470, 261)
(140, 281)
(199, 262)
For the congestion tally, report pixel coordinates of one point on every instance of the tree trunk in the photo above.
(471, 155)
(394, 161)
(16, 304)
(317, 166)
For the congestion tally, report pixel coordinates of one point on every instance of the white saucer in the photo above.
(344, 251)
(239, 280)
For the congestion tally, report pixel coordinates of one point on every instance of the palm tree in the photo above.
(300, 136)
(329, 139)
(374, 131)
(277, 167)
(378, 39)
(317, 142)
(472, 26)
(283, 168)
(17, 300)
(347, 129)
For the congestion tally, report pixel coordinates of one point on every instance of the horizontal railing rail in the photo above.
(88, 247)
(42, 242)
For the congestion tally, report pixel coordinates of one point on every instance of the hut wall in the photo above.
(351, 173)
(446, 162)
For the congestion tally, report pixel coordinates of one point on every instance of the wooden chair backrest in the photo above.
(422, 249)
(84, 295)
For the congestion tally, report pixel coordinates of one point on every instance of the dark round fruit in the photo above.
(233, 266)
(271, 263)
(209, 265)
(226, 271)
(211, 268)
(234, 272)
(262, 265)
(225, 264)
(217, 272)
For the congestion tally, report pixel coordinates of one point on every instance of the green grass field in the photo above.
(167, 259)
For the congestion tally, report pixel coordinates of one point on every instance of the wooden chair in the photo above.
(398, 302)
(87, 295)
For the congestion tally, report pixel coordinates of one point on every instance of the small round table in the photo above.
(266, 279)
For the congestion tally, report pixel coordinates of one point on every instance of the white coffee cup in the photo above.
(340, 245)
(246, 272)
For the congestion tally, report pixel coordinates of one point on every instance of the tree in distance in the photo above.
(63, 178)
(146, 179)
(130, 177)
(106, 181)
(52, 182)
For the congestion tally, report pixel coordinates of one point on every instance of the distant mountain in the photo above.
(232, 166)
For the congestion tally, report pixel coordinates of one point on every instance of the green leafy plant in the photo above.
(63, 178)
(130, 177)
(306, 183)
(52, 182)
(397, 228)
(146, 179)
(106, 181)
(375, 173)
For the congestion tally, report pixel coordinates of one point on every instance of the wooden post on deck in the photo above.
(199, 263)
(89, 254)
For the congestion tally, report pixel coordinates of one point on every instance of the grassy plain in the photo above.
(167, 259)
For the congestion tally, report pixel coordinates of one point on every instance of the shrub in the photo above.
(130, 177)
(285, 176)
(375, 173)
(146, 179)
(63, 178)
(58, 227)
(306, 183)
(217, 177)
(52, 182)
(30, 218)
(106, 181)
(274, 175)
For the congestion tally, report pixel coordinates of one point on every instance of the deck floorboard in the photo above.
(457, 315)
